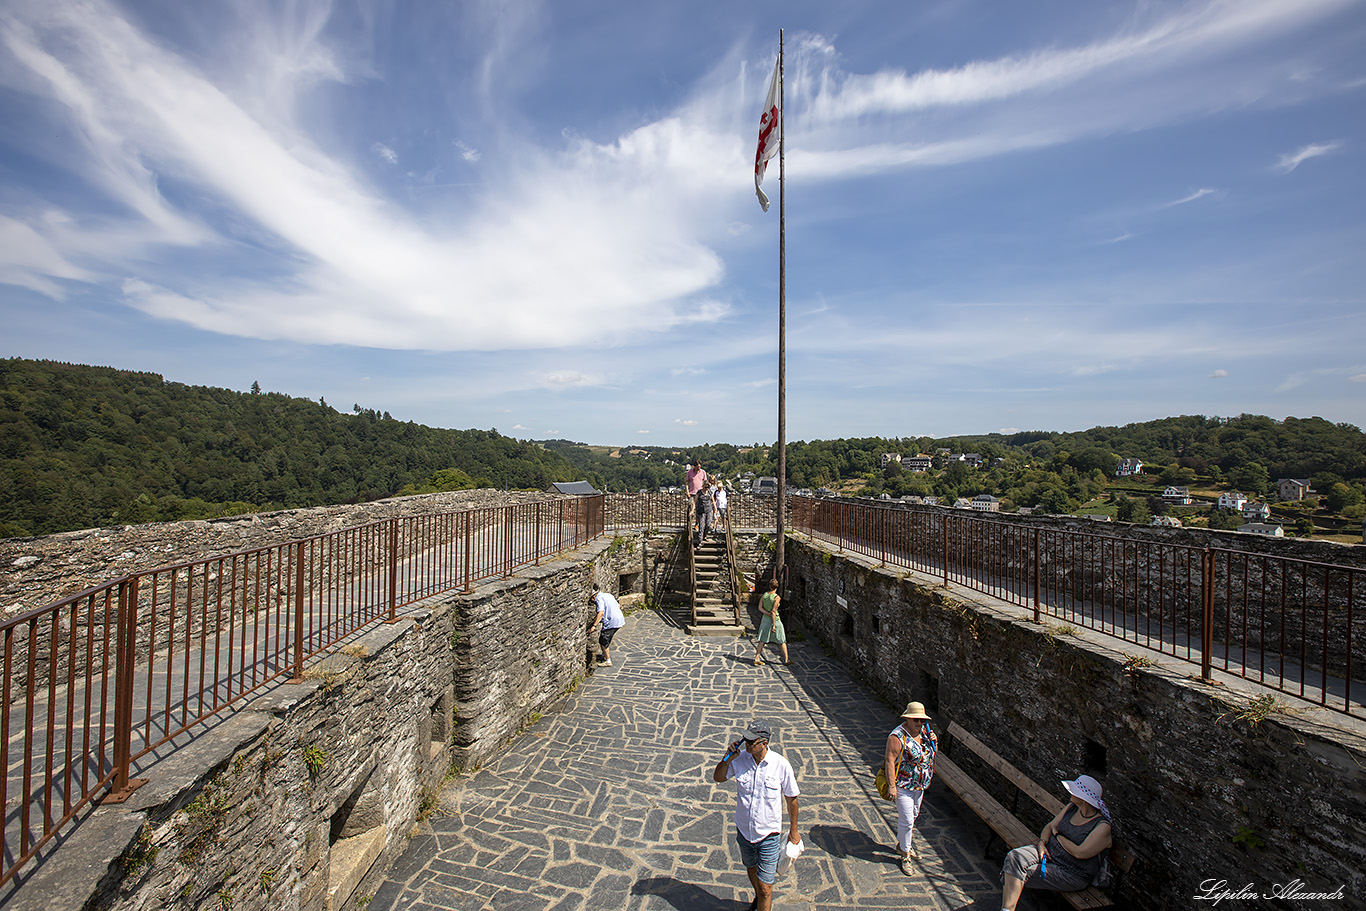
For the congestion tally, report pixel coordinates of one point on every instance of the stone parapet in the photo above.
(303, 798)
(1208, 782)
(38, 570)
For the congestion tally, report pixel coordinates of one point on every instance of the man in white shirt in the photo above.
(611, 618)
(764, 780)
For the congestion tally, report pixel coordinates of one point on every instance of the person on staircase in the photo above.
(706, 514)
(695, 483)
(770, 625)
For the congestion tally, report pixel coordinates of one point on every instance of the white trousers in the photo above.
(907, 809)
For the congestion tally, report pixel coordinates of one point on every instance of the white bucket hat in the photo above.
(1089, 790)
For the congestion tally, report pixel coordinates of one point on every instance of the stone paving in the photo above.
(610, 803)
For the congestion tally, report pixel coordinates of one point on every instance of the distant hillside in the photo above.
(82, 447)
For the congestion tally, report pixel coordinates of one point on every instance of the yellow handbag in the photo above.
(884, 788)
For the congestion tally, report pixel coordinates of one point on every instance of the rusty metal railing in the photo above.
(98, 680)
(1291, 624)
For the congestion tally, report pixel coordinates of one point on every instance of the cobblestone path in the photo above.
(610, 804)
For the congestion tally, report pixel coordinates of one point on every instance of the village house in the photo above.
(1293, 488)
(1256, 512)
(1232, 499)
(1128, 467)
(1167, 521)
(890, 457)
(985, 502)
(918, 463)
(1261, 528)
(1177, 496)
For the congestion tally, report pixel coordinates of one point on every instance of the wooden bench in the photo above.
(1003, 822)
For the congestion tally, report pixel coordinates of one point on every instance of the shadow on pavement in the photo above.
(842, 841)
(684, 896)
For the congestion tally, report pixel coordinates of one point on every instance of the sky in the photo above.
(540, 217)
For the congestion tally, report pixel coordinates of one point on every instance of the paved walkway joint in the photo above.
(610, 803)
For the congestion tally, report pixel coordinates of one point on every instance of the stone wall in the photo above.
(1269, 596)
(1203, 787)
(295, 802)
(521, 645)
(36, 571)
(304, 797)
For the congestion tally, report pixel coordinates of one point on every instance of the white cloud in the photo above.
(1292, 160)
(559, 248)
(1198, 194)
(642, 431)
(1219, 374)
(686, 423)
(518, 427)
(30, 260)
(619, 234)
(1358, 378)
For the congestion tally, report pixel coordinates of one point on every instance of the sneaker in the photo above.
(758, 662)
(604, 662)
(906, 865)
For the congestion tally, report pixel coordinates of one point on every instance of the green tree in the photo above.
(1340, 496)
(1252, 478)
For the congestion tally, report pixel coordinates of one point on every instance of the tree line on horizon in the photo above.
(84, 447)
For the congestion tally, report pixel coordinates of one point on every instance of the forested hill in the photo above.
(82, 447)
(1293, 448)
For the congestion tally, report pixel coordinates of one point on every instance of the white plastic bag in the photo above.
(790, 853)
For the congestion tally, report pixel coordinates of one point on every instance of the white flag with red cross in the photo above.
(770, 129)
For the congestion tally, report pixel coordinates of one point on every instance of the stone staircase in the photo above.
(715, 606)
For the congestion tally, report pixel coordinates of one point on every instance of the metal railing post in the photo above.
(126, 638)
(536, 534)
(298, 613)
(1207, 616)
(469, 574)
(946, 550)
(1036, 575)
(393, 570)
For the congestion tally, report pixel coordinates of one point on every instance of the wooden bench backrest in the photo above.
(1119, 856)
(1026, 784)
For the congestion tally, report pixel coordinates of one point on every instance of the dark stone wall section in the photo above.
(1200, 791)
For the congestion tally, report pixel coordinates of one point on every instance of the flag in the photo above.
(770, 130)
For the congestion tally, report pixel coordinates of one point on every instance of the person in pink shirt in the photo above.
(696, 477)
(697, 483)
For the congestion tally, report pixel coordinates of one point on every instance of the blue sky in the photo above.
(540, 217)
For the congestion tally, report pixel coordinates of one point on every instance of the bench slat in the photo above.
(1013, 832)
(1043, 798)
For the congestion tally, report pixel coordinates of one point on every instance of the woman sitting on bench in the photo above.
(1070, 847)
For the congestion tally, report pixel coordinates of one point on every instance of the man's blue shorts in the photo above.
(763, 854)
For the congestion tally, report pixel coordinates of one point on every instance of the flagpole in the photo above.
(782, 318)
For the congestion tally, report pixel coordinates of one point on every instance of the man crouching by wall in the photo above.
(763, 779)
